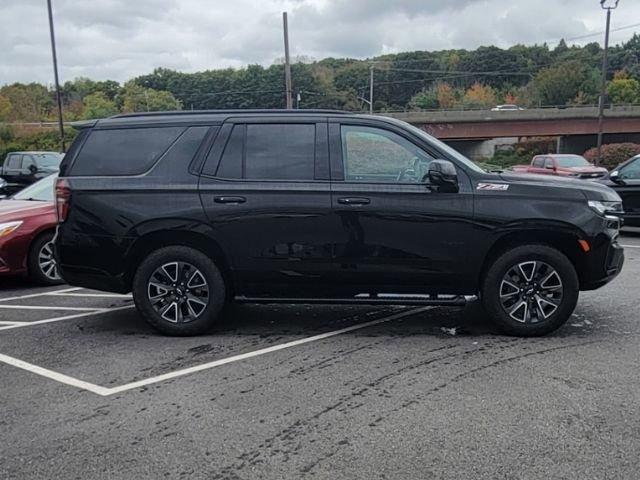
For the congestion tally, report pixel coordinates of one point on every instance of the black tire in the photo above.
(538, 301)
(142, 291)
(43, 272)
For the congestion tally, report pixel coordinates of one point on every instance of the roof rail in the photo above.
(214, 112)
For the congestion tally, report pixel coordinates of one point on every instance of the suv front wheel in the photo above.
(179, 291)
(530, 290)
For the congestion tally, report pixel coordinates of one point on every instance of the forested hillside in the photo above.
(526, 75)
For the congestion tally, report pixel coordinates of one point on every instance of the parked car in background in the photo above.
(190, 210)
(564, 165)
(625, 180)
(20, 169)
(27, 226)
(506, 108)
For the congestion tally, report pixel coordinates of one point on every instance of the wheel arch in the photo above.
(153, 241)
(565, 241)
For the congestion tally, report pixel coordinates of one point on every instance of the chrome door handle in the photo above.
(233, 200)
(354, 201)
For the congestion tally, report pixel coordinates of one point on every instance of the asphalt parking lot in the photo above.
(89, 391)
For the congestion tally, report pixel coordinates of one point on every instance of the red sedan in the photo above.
(27, 226)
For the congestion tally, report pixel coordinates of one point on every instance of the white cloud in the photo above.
(119, 39)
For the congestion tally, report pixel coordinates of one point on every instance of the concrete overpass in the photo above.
(574, 127)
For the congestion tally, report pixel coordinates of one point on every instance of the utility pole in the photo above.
(603, 87)
(287, 63)
(55, 74)
(371, 89)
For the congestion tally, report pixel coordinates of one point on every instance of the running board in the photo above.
(435, 300)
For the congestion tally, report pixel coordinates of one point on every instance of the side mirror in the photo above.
(33, 168)
(615, 177)
(442, 174)
(549, 167)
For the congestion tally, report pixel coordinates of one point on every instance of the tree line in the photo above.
(525, 75)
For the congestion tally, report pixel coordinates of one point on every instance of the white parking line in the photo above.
(58, 377)
(44, 307)
(4, 322)
(631, 246)
(34, 295)
(88, 295)
(104, 391)
(67, 317)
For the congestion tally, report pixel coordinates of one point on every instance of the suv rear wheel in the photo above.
(179, 291)
(530, 290)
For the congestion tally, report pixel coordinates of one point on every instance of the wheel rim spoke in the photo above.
(47, 262)
(178, 292)
(531, 291)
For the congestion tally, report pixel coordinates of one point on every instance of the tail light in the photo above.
(63, 197)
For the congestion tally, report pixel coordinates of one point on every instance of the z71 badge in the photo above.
(492, 186)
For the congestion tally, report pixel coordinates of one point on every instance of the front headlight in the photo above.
(603, 207)
(9, 227)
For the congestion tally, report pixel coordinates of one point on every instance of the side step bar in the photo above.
(436, 300)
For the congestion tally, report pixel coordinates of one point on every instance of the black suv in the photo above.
(191, 210)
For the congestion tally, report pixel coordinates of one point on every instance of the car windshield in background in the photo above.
(48, 159)
(41, 191)
(568, 161)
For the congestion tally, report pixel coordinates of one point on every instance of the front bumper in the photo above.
(603, 264)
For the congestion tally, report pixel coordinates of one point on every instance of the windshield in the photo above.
(443, 146)
(572, 161)
(41, 191)
(48, 159)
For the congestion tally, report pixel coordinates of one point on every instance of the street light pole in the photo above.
(603, 85)
(55, 74)
(287, 63)
(371, 89)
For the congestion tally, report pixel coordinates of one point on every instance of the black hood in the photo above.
(592, 190)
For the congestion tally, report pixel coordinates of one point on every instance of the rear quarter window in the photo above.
(125, 151)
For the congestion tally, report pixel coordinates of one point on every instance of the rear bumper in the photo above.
(95, 280)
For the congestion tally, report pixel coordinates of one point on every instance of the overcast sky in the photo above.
(119, 39)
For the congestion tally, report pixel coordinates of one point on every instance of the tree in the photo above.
(426, 99)
(623, 89)
(5, 108)
(446, 95)
(97, 105)
(30, 102)
(140, 99)
(479, 96)
(562, 83)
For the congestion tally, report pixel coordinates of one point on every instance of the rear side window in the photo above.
(14, 162)
(538, 162)
(129, 151)
(268, 152)
(280, 152)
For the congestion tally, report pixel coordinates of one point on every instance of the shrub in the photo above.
(531, 147)
(613, 154)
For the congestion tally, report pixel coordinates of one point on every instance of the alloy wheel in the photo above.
(530, 292)
(178, 292)
(47, 262)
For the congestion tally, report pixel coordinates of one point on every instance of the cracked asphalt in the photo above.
(400, 399)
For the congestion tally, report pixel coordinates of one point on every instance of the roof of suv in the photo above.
(197, 116)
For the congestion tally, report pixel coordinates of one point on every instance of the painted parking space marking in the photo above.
(89, 295)
(66, 317)
(47, 307)
(107, 391)
(12, 322)
(631, 246)
(41, 294)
